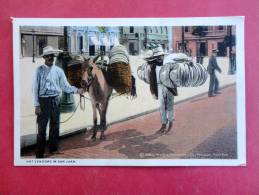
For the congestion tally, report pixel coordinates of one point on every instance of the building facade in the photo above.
(212, 37)
(92, 40)
(34, 39)
(136, 39)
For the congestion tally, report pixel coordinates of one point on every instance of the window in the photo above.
(91, 50)
(166, 30)
(220, 27)
(131, 48)
(222, 49)
(42, 42)
(102, 48)
(186, 29)
(179, 45)
(205, 28)
(131, 29)
(80, 43)
(202, 49)
(161, 30)
(156, 29)
(121, 30)
(61, 43)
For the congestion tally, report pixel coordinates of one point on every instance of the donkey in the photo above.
(93, 80)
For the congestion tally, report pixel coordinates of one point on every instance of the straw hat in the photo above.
(49, 50)
(215, 51)
(148, 54)
(158, 51)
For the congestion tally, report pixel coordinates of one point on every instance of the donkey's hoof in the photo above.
(102, 137)
(93, 137)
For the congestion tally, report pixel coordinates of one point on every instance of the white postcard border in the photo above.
(238, 21)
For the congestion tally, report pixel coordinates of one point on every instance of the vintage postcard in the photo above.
(129, 92)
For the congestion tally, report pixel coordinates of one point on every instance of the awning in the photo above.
(93, 41)
(105, 41)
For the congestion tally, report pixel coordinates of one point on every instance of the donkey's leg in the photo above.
(94, 120)
(103, 118)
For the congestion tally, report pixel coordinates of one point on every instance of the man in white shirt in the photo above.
(48, 83)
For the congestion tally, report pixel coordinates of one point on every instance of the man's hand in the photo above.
(37, 110)
(80, 91)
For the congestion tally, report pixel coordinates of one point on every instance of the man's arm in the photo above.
(66, 87)
(35, 91)
(35, 87)
(216, 65)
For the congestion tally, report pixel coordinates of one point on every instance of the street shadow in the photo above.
(221, 145)
(82, 140)
(129, 142)
(136, 145)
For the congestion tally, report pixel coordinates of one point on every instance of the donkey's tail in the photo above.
(133, 92)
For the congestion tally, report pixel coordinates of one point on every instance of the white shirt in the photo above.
(50, 82)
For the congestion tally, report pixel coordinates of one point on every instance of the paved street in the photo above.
(204, 128)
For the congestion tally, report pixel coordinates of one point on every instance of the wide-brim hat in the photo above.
(158, 52)
(148, 54)
(50, 50)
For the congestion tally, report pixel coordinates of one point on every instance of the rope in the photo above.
(82, 108)
(71, 114)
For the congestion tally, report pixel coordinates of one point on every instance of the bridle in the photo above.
(90, 78)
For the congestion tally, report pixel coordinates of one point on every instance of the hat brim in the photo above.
(148, 58)
(159, 54)
(54, 52)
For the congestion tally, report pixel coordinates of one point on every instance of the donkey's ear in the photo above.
(89, 62)
(96, 58)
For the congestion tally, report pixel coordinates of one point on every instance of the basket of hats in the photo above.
(119, 71)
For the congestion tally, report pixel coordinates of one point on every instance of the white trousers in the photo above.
(166, 102)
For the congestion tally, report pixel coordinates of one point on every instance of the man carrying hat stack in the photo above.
(165, 94)
(214, 82)
(48, 83)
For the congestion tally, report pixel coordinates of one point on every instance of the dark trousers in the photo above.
(50, 112)
(214, 84)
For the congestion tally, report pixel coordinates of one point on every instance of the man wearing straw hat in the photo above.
(165, 94)
(214, 82)
(48, 83)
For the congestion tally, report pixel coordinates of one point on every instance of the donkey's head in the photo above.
(89, 72)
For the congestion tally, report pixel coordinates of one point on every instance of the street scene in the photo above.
(203, 124)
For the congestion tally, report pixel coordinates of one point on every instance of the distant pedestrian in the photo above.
(48, 83)
(212, 67)
(165, 94)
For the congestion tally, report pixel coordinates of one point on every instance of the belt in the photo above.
(49, 97)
